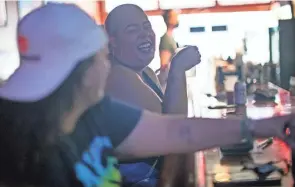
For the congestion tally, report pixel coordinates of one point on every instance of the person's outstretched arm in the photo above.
(161, 135)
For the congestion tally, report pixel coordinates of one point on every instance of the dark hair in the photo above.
(166, 15)
(27, 128)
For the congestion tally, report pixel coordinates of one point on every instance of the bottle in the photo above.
(292, 86)
(240, 99)
(220, 76)
(220, 81)
(240, 91)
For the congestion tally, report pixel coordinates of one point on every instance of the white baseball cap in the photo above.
(52, 40)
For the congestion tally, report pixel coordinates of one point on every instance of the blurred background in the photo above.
(257, 35)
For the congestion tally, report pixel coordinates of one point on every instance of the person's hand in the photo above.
(282, 127)
(185, 58)
(287, 131)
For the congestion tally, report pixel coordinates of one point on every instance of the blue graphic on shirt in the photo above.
(91, 172)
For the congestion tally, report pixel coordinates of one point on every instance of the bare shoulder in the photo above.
(127, 85)
(122, 79)
(120, 72)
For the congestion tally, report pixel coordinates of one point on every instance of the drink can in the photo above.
(284, 97)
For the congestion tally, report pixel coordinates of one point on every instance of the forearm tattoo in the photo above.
(183, 133)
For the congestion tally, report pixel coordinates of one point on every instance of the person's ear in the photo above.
(112, 42)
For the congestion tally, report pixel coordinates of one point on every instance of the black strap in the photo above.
(153, 85)
(160, 93)
(145, 76)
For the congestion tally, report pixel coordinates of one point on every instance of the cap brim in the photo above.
(35, 80)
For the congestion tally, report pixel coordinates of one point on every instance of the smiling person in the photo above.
(132, 48)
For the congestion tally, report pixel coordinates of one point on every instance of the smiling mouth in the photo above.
(145, 47)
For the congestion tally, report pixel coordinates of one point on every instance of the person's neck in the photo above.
(169, 32)
(120, 63)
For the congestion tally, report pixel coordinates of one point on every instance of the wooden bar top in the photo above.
(212, 166)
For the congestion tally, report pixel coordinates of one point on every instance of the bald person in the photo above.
(132, 48)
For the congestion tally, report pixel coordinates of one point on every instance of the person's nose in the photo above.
(145, 33)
